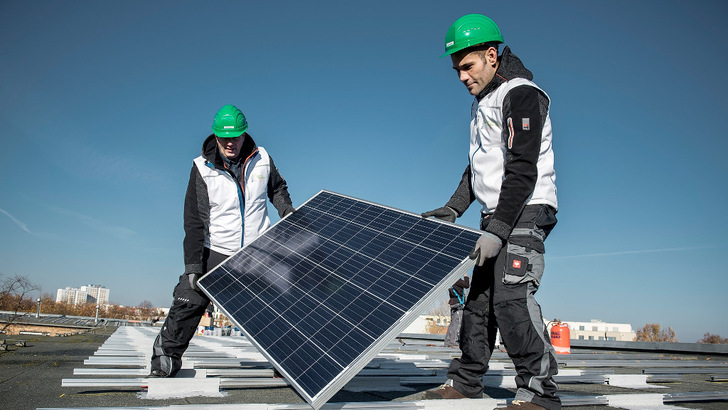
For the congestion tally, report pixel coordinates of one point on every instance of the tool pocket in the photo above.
(524, 259)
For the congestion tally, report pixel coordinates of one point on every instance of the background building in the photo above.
(593, 330)
(426, 323)
(71, 296)
(96, 294)
(598, 330)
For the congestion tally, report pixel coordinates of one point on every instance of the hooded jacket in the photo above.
(511, 161)
(457, 291)
(224, 213)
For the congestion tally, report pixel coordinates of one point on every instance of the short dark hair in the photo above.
(483, 47)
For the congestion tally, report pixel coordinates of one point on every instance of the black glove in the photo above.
(445, 213)
(193, 278)
(289, 211)
(486, 247)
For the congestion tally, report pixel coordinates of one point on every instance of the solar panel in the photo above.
(322, 291)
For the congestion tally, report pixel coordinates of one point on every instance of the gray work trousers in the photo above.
(453, 330)
(502, 297)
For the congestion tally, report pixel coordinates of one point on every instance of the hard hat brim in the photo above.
(228, 134)
(458, 49)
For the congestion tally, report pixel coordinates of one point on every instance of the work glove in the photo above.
(289, 211)
(193, 278)
(486, 247)
(445, 213)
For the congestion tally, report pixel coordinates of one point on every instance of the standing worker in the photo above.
(511, 174)
(225, 208)
(457, 302)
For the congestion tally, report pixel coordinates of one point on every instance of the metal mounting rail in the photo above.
(695, 396)
(144, 382)
(682, 370)
(641, 363)
(472, 404)
(138, 382)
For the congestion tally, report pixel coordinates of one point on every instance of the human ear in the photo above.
(491, 56)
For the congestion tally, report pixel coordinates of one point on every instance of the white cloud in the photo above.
(95, 224)
(18, 222)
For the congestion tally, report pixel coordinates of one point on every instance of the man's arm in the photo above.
(464, 196)
(196, 215)
(524, 110)
(278, 191)
(459, 201)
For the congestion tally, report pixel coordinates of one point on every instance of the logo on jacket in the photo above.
(516, 264)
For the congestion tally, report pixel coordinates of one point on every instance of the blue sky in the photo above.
(103, 106)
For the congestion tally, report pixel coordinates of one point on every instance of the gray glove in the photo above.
(486, 247)
(193, 278)
(445, 213)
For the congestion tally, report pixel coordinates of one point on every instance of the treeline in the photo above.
(653, 332)
(16, 296)
(16, 303)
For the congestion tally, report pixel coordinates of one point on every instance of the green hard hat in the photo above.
(229, 122)
(471, 30)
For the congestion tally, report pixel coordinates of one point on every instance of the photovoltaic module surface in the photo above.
(322, 291)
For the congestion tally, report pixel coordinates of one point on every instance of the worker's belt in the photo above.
(484, 220)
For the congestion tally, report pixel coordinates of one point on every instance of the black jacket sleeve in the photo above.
(463, 196)
(523, 122)
(196, 221)
(278, 191)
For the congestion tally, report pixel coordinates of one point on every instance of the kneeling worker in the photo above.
(225, 208)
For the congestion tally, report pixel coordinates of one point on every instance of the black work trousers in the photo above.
(181, 323)
(502, 297)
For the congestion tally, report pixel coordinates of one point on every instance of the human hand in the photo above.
(193, 278)
(445, 213)
(487, 246)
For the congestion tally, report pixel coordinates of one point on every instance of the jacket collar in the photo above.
(509, 67)
(212, 154)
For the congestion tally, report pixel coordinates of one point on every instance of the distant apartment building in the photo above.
(97, 294)
(425, 323)
(71, 296)
(86, 294)
(598, 330)
(593, 330)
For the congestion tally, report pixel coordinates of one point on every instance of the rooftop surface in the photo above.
(106, 368)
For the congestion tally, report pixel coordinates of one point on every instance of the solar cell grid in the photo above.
(326, 287)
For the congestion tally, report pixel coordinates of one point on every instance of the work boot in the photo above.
(446, 391)
(157, 373)
(524, 405)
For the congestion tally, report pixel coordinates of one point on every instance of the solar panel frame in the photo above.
(360, 228)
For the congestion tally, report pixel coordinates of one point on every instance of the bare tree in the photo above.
(146, 309)
(15, 296)
(442, 308)
(714, 339)
(652, 332)
(146, 304)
